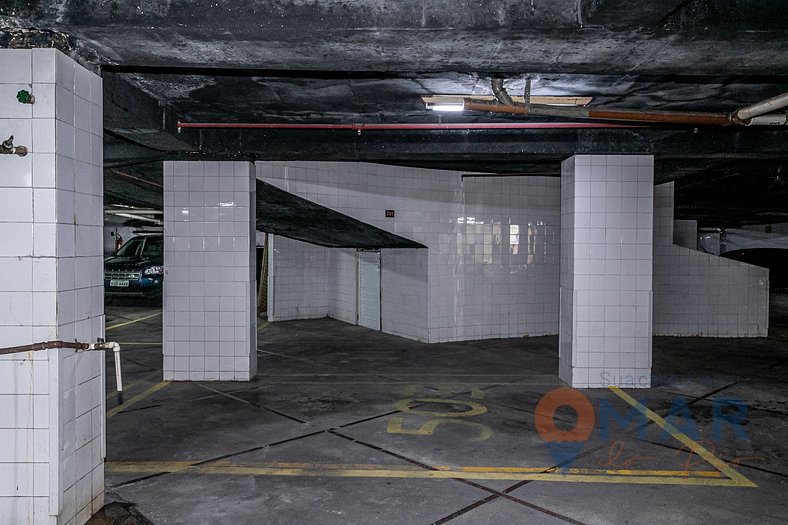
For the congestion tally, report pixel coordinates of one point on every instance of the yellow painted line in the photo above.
(406, 472)
(614, 472)
(262, 325)
(136, 399)
(738, 479)
(129, 386)
(146, 467)
(570, 475)
(400, 375)
(373, 383)
(131, 322)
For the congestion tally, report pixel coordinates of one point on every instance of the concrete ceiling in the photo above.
(369, 61)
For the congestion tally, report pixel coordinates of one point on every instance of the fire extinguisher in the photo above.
(118, 242)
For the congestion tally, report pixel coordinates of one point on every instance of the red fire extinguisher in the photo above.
(118, 242)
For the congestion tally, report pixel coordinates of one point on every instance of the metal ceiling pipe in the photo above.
(664, 117)
(667, 117)
(47, 345)
(407, 127)
(507, 105)
(769, 120)
(501, 95)
(763, 107)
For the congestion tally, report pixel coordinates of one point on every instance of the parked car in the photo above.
(775, 259)
(137, 269)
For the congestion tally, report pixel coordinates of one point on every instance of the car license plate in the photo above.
(118, 282)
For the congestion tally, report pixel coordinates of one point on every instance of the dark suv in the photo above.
(137, 269)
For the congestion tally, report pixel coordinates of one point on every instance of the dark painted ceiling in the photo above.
(369, 61)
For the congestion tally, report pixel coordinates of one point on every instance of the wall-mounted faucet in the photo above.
(25, 97)
(7, 148)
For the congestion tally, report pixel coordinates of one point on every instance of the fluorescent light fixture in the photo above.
(139, 217)
(454, 106)
(456, 102)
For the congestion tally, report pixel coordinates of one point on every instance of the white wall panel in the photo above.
(210, 317)
(700, 294)
(491, 268)
(495, 275)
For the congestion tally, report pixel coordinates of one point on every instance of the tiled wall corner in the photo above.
(310, 282)
(299, 279)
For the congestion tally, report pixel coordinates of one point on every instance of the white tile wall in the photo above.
(492, 243)
(702, 294)
(342, 276)
(50, 223)
(481, 279)
(298, 280)
(209, 291)
(403, 288)
(307, 281)
(606, 270)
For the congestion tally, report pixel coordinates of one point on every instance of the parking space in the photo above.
(346, 425)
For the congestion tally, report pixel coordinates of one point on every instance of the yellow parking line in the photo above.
(131, 322)
(737, 479)
(407, 471)
(137, 399)
(725, 476)
(129, 386)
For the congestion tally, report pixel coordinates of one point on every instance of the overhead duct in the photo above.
(750, 115)
(501, 95)
(764, 107)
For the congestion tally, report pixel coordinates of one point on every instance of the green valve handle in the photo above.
(25, 97)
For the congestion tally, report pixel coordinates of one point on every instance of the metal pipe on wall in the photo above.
(79, 347)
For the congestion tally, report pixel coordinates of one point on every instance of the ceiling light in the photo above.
(455, 102)
(452, 105)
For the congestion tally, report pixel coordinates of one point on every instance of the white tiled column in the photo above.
(210, 317)
(606, 270)
(51, 287)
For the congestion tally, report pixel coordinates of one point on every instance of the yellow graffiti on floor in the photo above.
(395, 427)
(474, 408)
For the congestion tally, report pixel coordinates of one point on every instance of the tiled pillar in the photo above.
(210, 318)
(606, 270)
(51, 212)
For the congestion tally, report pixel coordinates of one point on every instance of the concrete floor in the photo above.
(345, 425)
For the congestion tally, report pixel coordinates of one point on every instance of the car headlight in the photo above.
(154, 270)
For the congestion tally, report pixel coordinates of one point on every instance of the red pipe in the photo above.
(394, 127)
